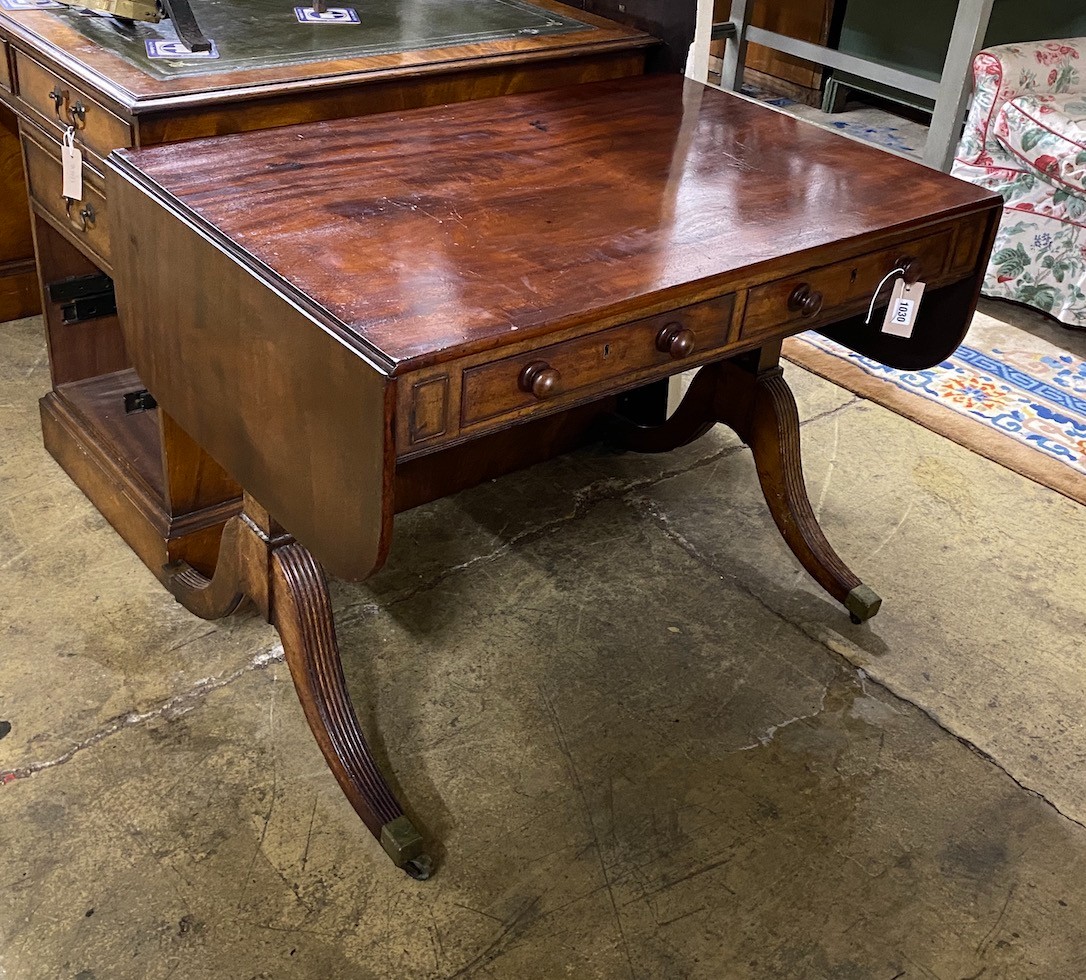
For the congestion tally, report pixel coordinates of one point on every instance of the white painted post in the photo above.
(735, 49)
(967, 38)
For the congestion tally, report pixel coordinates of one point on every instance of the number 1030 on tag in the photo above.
(903, 309)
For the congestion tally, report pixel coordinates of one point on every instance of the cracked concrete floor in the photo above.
(647, 745)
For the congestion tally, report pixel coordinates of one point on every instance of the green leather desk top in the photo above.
(267, 33)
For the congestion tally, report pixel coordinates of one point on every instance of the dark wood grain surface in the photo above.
(447, 231)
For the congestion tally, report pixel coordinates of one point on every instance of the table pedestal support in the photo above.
(749, 394)
(259, 562)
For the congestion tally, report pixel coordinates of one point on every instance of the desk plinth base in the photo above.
(117, 462)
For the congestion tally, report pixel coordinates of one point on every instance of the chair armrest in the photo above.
(1047, 135)
(1007, 71)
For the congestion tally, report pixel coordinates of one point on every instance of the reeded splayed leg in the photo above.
(302, 614)
(749, 394)
(769, 424)
(258, 561)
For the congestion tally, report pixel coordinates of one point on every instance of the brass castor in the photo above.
(862, 603)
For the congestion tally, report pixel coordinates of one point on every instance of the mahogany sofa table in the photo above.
(428, 285)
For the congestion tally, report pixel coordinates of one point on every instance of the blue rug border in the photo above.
(1015, 377)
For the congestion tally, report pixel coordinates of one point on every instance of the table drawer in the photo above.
(843, 287)
(86, 220)
(56, 104)
(562, 372)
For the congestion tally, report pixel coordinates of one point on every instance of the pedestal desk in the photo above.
(429, 287)
(60, 68)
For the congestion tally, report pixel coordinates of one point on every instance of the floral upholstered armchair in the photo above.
(1025, 138)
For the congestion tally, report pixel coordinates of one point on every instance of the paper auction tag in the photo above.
(174, 50)
(903, 309)
(71, 159)
(330, 15)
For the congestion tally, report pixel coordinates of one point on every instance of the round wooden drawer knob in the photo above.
(805, 301)
(911, 266)
(676, 340)
(539, 379)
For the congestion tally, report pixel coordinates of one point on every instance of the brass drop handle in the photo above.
(910, 266)
(77, 114)
(539, 379)
(86, 214)
(804, 300)
(676, 340)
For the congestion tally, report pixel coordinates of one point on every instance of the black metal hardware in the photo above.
(79, 287)
(83, 297)
(77, 114)
(184, 22)
(139, 401)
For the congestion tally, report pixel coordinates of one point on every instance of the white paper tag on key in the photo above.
(903, 309)
(71, 160)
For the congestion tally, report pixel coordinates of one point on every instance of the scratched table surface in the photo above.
(267, 33)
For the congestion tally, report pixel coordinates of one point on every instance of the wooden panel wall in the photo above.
(670, 20)
(18, 281)
(806, 20)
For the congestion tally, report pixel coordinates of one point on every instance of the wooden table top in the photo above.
(445, 231)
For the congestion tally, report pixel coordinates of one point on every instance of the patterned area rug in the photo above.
(868, 123)
(1005, 394)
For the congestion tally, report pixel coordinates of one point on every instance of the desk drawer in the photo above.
(844, 287)
(658, 345)
(84, 221)
(56, 104)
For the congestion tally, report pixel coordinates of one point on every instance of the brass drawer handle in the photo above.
(540, 379)
(676, 340)
(77, 114)
(86, 215)
(805, 301)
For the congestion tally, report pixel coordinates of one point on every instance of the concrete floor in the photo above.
(648, 745)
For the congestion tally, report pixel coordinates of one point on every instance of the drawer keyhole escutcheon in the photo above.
(805, 301)
(540, 379)
(676, 340)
